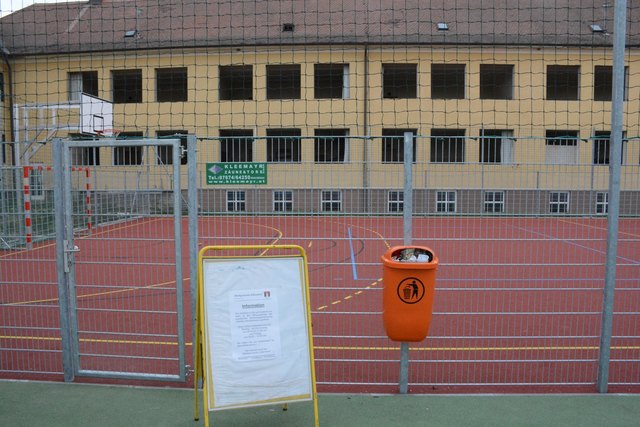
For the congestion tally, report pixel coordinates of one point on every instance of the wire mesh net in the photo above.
(300, 111)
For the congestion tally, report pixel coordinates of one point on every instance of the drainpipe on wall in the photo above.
(366, 140)
(9, 96)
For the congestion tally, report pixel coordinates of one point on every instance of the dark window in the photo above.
(329, 81)
(171, 84)
(127, 86)
(128, 155)
(82, 82)
(399, 80)
(393, 145)
(447, 145)
(601, 144)
(236, 145)
(496, 146)
(330, 145)
(563, 82)
(283, 145)
(603, 83)
(283, 81)
(165, 152)
(496, 81)
(602, 148)
(236, 82)
(447, 81)
(1, 87)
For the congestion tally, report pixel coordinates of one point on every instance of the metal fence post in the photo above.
(192, 202)
(407, 231)
(63, 295)
(619, 34)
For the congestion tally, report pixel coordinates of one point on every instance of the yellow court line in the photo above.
(349, 348)
(350, 296)
(96, 294)
(93, 234)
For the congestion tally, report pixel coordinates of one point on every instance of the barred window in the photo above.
(283, 145)
(447, 145)
(393, 145)
(165, 152)
(330, 145)
(236, 145)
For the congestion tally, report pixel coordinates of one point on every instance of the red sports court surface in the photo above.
(517, 305)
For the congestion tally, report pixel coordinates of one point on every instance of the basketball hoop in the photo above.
(108, 133)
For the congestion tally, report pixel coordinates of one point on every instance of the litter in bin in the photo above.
(411, 255)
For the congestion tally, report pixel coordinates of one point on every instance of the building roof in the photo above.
(100, 25)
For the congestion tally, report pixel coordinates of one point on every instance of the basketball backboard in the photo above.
(96, 115)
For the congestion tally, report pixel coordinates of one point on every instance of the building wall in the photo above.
(43, 80)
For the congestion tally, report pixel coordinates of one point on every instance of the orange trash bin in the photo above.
(409, 277)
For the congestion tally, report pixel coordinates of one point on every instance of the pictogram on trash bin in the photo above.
(408, 274)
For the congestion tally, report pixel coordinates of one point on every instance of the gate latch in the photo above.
(67, 251)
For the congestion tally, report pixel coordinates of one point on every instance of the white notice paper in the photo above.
(255, 328)
(256, 331)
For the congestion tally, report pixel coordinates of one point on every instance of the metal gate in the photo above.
(119, 258)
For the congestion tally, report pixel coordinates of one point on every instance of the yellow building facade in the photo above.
(521, 120)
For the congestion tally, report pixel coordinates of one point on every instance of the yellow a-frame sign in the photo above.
(254, 344)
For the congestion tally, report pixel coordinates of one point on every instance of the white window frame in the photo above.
(602, 203)
(562, 154)
(562, 206)
(449, 202)
(395, 201)
(236, 203)
(36, 183)
(330, 199)
(497, 206)
(282, 201)
(75, 86)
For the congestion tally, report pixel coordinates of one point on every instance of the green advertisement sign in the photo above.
(236, 173)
